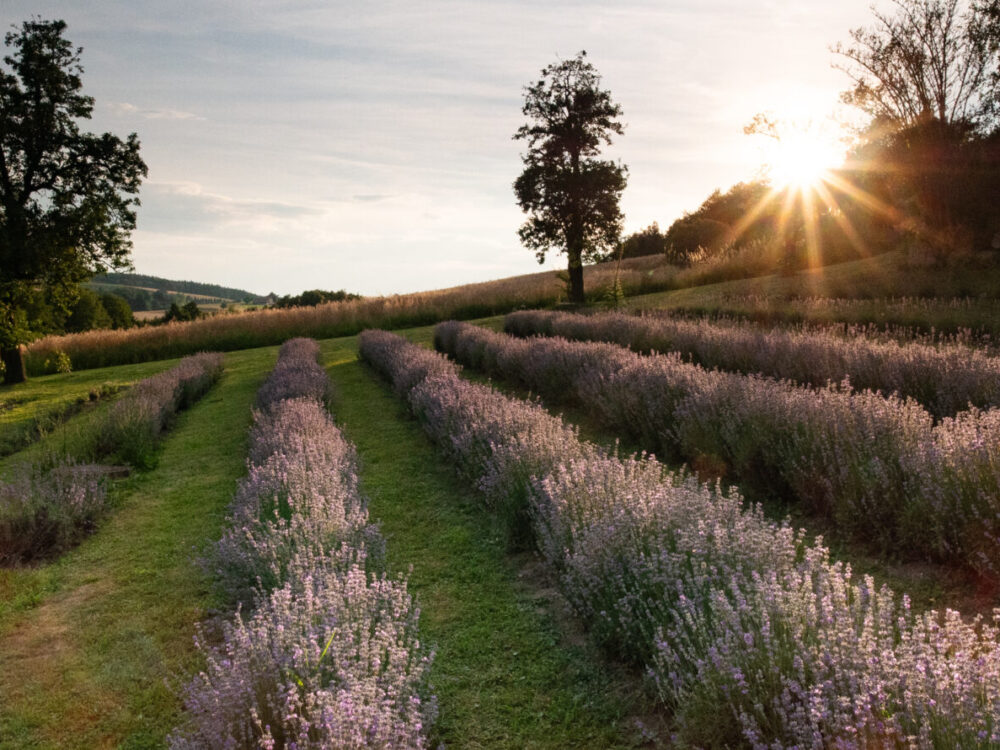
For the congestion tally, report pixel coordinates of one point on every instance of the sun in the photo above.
(799, 154)
(801, 160)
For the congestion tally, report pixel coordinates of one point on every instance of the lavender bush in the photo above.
(877, 465)
(49, 507)
(496, 443)
(45, 512)
(329, 655)
(330, 660)
(944, 378)
(752, 637)
(296, 374)
(301, 497)
(134, 424)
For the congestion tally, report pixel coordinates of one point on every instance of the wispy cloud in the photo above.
(124, 108)
(182, 207)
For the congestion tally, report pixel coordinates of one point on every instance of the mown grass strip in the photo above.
(505, 673)
(27, 430)
(93, 645)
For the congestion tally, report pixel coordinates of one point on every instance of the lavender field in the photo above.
(50, 504)
(733, 629)
(945, 377)
(325, 651)
(877, 465)
(724, 609)
(500, 376)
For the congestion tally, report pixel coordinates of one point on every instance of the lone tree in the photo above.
(67, 199)
(570, 195)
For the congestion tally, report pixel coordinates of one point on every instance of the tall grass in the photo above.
(249, 330)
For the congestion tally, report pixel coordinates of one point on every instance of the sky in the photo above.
(366, 145)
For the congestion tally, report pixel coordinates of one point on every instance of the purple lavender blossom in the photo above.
(753, 637)
(946, 377)
(45, 512)
(135, 422)
(296, 374)
(877, 465)
(330, 660)
(329, 656)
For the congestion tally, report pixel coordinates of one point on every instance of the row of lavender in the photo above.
(48, 508)
(877, 465)
(328, 655)
(752, 637)
(945, 378)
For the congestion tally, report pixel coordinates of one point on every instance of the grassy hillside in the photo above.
(192, 289)
(272, 326)
(881, 290)
(884, 290)
(94, 645)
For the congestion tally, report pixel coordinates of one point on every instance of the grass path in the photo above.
(88, 643)
(510, 672)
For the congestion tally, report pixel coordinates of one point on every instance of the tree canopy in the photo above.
(746, 212)
(67, 198)
(928, 74)
(570, 195)
(931, 58)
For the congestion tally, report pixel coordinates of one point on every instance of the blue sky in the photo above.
(298, 144)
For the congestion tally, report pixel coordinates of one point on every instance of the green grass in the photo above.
(94, 645)
(511, 669)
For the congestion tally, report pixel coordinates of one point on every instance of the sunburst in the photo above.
(799, 155)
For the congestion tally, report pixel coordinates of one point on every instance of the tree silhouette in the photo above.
(927, 60)
(571, 196)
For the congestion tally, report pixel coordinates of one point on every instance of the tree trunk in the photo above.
(13, 364)
(576, 281)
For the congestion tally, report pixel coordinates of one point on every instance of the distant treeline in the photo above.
(187, 287)
(313, 297)
(752, 213)
(138, 299)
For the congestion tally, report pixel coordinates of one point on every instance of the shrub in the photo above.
(43, 513)
(132, 428)
(302, 497)
(946, 378)
(330, 655)
(297, 374)
(331, 659)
